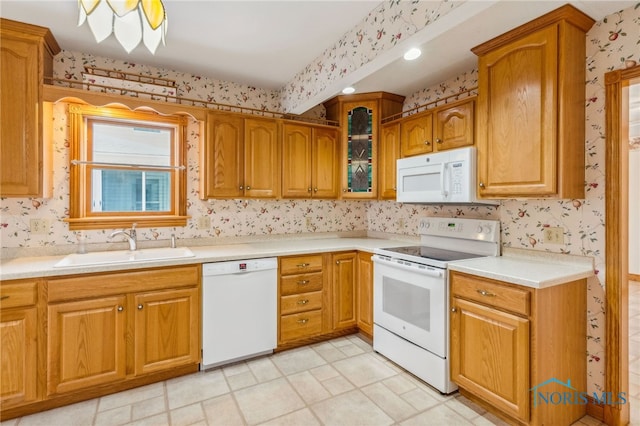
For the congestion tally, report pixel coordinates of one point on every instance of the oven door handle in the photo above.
(427, 270)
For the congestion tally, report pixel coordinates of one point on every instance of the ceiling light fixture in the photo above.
(348, 90)
(131, 21)
(412, 54)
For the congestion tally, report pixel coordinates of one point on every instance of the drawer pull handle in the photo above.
(4, 297)
(303, 282)
(486, 293)
(303, 320)
(303, 265)
(303, 301)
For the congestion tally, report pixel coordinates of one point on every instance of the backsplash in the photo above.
(609, 43)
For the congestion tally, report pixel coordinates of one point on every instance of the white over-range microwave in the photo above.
(441, 177)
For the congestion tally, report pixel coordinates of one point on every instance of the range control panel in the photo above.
(469, 229)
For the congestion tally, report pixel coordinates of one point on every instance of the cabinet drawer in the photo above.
(300, 264)
(302, 283)
(300, 325)
(16, 294)
(300, 302)
(491, 293)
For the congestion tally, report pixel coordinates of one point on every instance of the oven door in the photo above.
(410, 300)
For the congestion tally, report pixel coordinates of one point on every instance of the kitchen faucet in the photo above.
(131, 237)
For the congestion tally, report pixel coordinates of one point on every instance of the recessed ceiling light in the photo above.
(412, 54)
(348, 90)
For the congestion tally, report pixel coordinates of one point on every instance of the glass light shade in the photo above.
(412, 54)
(348, 90)
(132, 21)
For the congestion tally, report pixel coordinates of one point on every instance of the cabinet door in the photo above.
(86, 344)
(364, 292)
(166, 330)
(359, 152)
(490, 356)
(261, 159)
(223, 156)
(389, 153)
(21, 141)
(416, 135)
(18, 353)
(517, 110)
(296, 161)
(343, 290)
(326, 157)
(454, 126)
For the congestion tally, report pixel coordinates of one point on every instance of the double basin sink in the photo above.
(123, 256)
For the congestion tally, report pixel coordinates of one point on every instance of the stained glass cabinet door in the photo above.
(359, 176)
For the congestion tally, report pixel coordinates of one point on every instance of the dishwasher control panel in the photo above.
(235, 266)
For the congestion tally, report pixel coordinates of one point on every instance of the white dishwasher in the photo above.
(239, 304)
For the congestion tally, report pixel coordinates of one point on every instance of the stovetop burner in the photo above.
(426, 252)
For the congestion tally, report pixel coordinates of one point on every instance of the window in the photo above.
(126, 167)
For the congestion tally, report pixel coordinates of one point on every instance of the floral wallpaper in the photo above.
(610, 43)
(385, 26)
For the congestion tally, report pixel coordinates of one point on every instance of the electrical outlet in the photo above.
(204, 222)
(401, 223)
(553, 235)
(39, 226)
(308, 221)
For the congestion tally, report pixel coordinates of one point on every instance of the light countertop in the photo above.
(529, 268)
(42, 266)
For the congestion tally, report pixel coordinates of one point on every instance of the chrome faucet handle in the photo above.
(132, 232)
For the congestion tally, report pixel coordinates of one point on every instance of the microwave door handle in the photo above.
(443, 170)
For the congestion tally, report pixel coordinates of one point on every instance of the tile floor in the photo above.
(338, 382)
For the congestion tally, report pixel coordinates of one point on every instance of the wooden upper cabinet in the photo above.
(388, 154)
(359, 117)
(241, 157)
(26, 57)
(454, 125)
(417, 134)
(261, 158)
(310, 157)
(325, 155)
(224, 156)
(531, 109)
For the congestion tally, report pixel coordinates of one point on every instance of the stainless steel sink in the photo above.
(123, 256)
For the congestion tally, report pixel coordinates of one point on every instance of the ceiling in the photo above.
(266, 43)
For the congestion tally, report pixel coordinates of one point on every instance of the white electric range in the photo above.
(411, 294)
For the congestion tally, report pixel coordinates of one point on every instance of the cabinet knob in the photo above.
(140, 307)
(303, 320)
(309, 189)
(302, 282)
(315, 189)
(427, 143)
(482, 185)
(438, 140)
(303, 301)
(241, 187)
(395, 189)
(248, 187)
(302, 265)
(120, 308)
(486, 293)
(454, 309)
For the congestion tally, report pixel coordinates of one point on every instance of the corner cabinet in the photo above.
(359, 117)
(241, 157)
(506, 341)
(309, 161)
(531, 114)
(26, 57)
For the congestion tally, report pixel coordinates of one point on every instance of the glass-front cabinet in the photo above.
(359, 117)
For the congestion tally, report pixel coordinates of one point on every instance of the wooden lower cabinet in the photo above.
(18, 343)
(509, 341)
(364, 293)
(101, 333)
(166, 329)
(344, 269)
